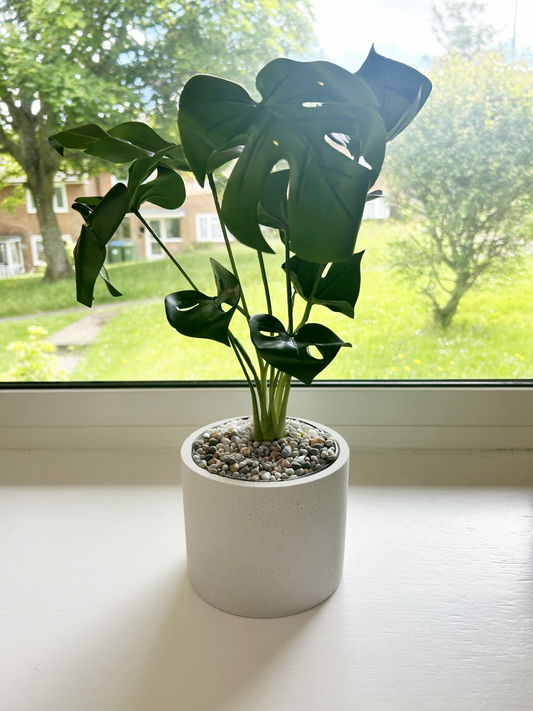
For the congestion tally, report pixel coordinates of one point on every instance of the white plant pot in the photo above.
(265, 549)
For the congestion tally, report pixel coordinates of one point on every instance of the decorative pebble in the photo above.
(233, 452)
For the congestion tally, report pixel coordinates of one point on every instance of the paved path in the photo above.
(73, 340)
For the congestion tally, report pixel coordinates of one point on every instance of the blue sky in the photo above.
(401, 29)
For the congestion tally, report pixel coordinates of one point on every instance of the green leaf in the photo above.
(321, 119)
(89, 259)
(290, 354)
(374, 195)
(400, 90)
(140, 135)
(193, 313)
(167, 190)
(272, 210)
(110, 287)
(338, 289)
(106, 217)
(213, 114)
(94, 141)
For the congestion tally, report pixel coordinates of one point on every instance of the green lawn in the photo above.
(392, 336)
(18, 331)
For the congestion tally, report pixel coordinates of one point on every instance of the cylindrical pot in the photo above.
(265, 549)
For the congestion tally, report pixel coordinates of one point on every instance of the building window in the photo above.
(60, 200)
(168, 230)
(208, 229)
(11, 261)
(37, 249)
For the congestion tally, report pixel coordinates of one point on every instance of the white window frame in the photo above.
(34, 239)
(32, 210)
(369, 416)
(11, 269)
(213, 219)
(162, 216)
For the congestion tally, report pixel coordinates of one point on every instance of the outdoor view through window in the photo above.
(447, 272)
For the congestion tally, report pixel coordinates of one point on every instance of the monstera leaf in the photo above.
(129, 141)
(338, 289)
(290, 354)
(166, 190)
(400, 90)
(272, 210)
(195, 314)
(102, 218)
(321, 119)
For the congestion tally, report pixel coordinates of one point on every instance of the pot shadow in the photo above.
(164, 649)
(203, 658)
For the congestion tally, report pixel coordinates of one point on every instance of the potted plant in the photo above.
(265, 497)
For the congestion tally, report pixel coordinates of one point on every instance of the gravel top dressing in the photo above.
(230, 450)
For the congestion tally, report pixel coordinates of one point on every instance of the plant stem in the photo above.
(226, 240)
(309, 304)
(265, 281)
(164, 248)
(255, 409)
(288, 284)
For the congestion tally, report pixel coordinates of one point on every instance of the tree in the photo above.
(459, 28)
(465, 172)
(65, 63)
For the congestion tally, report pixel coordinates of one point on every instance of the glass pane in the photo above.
(446, 284)
(59, 198)
(172, 228)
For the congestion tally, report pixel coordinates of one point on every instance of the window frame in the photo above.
(36, 262)
(32, 210)
(479, 415)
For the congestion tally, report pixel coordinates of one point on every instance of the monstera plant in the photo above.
(307, 155)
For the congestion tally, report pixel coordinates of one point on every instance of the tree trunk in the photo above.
(443, 315)
(57, 264)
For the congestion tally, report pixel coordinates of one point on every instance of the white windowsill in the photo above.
(98, 612)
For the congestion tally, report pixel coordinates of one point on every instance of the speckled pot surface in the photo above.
(265, 549)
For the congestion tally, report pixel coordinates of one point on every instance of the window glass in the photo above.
(447, 271)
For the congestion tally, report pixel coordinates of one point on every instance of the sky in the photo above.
(401, 29)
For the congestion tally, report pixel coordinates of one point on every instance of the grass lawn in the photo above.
(392, 336)
(18, 331)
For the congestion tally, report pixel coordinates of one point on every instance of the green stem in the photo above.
(309, 304)
(265, 281)
(255, 409)
(226, 240)
(288, 284)
(167, 252)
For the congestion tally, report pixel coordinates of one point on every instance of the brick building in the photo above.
(21, 248)
(21, 243)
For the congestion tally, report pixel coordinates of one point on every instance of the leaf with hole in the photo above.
(321, 119)
(193, 313)
(400, 90)
(338, 289)
(290, 354)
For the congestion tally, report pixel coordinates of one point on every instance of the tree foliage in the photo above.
(63, 62)
(460, 29)
(465, 172)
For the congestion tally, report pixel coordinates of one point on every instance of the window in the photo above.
(60, 200)
(393, 335)
(208, 228)
(11, 260)
(37, 249)
(168, 230)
